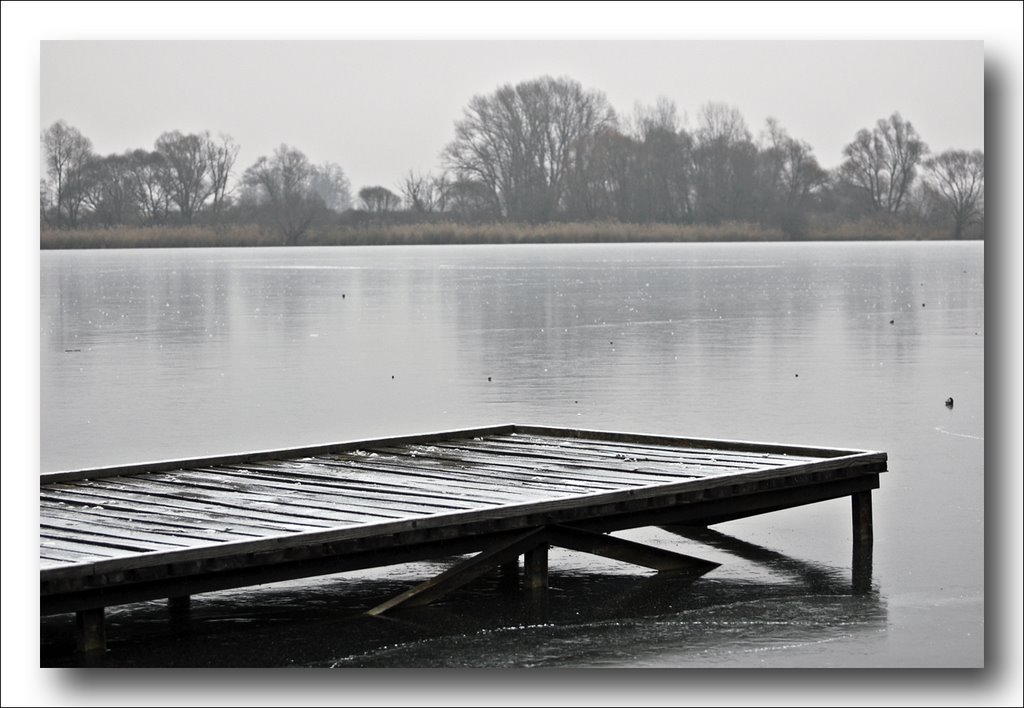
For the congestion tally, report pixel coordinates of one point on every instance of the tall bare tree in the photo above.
(220, 159)
(284, 182)
(883, 162)
(110, 189)
(150, 180)
(187, 160)
(725, 160)
(521, 142)
(958, 177)
(67, 154)
(789, 175)
(330, 182)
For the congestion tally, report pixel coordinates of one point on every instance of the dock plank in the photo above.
(578, 455)
(177, 508)
(362, 482)
(510, 478)
(654, 453)
(114, 520)
(508, 467)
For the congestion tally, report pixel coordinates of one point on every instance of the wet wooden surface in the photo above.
(95, 524)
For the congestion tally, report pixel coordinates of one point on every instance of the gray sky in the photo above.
(379, 108)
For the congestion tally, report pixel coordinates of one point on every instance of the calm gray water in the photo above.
(158, 354)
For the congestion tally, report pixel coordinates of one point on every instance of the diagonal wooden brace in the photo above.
(620, 549)
(465, 571)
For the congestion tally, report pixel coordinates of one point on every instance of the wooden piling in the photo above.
(509, 574)
(92, 636)
(535, 568)
(863, 530)
(863, 542)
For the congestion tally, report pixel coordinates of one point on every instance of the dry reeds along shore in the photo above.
(249, 235)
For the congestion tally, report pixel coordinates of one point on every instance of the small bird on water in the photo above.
(949, 402)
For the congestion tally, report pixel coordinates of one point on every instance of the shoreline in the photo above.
(250, 236)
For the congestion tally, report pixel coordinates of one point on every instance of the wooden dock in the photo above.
(172, 529)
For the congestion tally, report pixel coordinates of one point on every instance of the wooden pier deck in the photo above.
(171, 529)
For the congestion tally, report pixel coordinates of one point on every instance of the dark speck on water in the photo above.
(949, 402)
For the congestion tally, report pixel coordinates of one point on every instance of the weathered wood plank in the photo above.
(659, 452)
(279, 496)
(681, 442)
(297, 452)
(506, 479)
(492, 464)
(584, 452)
(94, 550)
(217, 502)
(168, 514)
(65, 555)
(142, 522)
(608, 468)
(177, 508)
(56, 526)
(221, 496)
(599, 467)
(386, 482)
(611, 469)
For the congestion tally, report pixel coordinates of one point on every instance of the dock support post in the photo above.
(535, 566)
(92, 636)
(863, 540)
(510, 574)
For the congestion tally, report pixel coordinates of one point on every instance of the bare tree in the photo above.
(424, 193)
(150, 181)
(379, 200)
(790, 174)
(67, 154)
(521, 143)
(883, 162)
(110, 189)
(330, 182)
(187, 160)
(958, 177)
(725, 160)
(220, 159)
(284, 181)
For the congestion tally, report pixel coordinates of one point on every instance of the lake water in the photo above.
(155, 354)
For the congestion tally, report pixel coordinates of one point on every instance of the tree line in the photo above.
(544, 150)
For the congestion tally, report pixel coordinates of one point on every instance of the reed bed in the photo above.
(249, 235)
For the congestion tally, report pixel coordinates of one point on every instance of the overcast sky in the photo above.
(381, 108)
